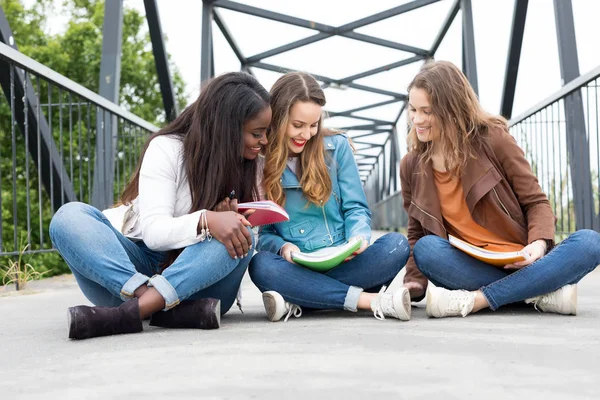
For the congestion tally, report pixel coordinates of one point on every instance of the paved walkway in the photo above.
(513, 353)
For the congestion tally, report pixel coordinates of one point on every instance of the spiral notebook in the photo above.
(266, 212)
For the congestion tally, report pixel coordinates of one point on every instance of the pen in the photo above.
(232, 195)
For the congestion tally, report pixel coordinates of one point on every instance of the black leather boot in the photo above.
(88, 322)
(194, 314)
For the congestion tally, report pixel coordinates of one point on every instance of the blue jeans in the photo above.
(338, 288)
(565, 264)
(109, 267)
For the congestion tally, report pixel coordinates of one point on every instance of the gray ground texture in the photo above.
(515, 352)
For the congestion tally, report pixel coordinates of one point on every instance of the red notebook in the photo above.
(267, 212)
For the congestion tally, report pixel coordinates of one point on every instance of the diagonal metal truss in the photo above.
(369, 154)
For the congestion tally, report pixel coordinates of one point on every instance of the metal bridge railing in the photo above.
(561, 139)
(59, 142)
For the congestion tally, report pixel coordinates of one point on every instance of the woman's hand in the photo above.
(286, 251)
(415, 288)
(363, 247)
(229, 228)
(232, 205)
(536, 250)
(227, 205)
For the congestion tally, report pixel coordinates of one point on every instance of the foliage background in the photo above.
(76, 53)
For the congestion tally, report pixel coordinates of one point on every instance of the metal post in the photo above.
(469, 59)
(514, 56)
(577, 142)
(106, 122)
(58, 186)
(161, 60)
(206, 52)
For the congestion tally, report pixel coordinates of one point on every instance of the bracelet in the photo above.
(204, 231)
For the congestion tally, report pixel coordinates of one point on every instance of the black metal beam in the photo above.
(290, 46)
(445, 26)
(283, 70)
(161, 60)
(400, 112)
(392, 12)
(273, 16)
(326, 31)
(360, 127)
(229, 37)
(396, 157)
(206, 44)
(577, 142)
(514, 57)
(369, 106)
(58, 189)
(375, 120)
(384, 68)
(469, 59)
(371, 145)
(366, 156)
(106, 123)
(375, 132)
(385, 43)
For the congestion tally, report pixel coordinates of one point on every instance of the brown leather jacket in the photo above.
(502, 193)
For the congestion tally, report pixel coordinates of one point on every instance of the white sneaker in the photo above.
(448, 303)
(396, 305)
(561, 301)
(276, 307)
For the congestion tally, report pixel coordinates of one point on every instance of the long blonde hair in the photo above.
(464, 125)
(315, 181)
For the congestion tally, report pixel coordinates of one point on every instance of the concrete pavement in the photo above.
(516, 352)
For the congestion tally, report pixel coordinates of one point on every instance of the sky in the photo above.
(539, 72)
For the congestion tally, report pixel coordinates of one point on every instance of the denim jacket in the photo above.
(344, 215)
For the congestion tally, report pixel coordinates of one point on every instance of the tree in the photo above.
(75, 53)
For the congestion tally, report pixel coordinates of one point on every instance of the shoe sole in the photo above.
(69, 322)
(573, 301)
(406, 306)
(218, 313)
(270, 306)
(429, 300)
(216, 309)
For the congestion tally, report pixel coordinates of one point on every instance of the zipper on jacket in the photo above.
(326, 224)
(429, 215)
(336, 196)
(501, 204)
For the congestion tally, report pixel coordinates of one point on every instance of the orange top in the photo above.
(458, 219)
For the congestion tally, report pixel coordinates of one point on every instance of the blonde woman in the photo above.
(312, 173)
(466, 176)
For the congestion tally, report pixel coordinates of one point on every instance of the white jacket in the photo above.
(160, 214)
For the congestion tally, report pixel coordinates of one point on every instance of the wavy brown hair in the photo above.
(464, 125)
(314, 177)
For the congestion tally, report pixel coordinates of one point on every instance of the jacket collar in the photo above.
(290, 180)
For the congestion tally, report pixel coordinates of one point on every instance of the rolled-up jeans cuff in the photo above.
(490, 299)
(128, 289)
(351, 301)
(166, 290)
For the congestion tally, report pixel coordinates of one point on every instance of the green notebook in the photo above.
(325, 259)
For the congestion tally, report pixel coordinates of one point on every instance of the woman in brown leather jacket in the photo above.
(465, 176)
